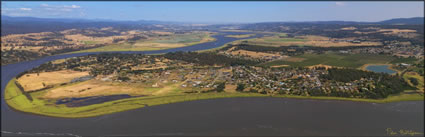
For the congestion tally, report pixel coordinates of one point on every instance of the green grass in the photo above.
(241, 36)
(16, 100)
(89, 42)
(420, 79)
(335, 59)
(282, 34)
(182, 38)
(409, 60)
(116, 47)
(283, 40)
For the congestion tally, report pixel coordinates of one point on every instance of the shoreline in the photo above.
(38, 107)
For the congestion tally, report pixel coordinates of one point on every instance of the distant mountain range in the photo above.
(414, 20)
(397, 21)
(5, 18)
(18, 25)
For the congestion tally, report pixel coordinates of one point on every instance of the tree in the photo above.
(240, 87)
(253, 90)
(221, 86)
(414, 81)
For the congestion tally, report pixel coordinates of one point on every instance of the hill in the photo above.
(411, 21)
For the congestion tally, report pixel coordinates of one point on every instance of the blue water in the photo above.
(380, 69)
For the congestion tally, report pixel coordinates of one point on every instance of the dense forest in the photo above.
(384, 84)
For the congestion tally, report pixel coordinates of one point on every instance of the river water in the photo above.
(229, 116)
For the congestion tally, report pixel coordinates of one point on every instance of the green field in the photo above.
(15, 99)
(118, 47)
(240, 36)
(90, 42)
(273, 39)
(410, 60)
(182, 38)
(420, 79)
(334, 59)
(174, 41)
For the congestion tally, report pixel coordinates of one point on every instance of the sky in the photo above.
(217, 12)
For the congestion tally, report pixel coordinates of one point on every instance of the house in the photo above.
(155, 85)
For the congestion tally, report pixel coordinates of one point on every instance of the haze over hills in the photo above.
(414, 20)
(405, 21)
(19, 25)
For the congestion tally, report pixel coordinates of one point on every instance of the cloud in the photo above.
(59, 8)
(340, 3)
(45, 10)
(72, 6)
(25, 9)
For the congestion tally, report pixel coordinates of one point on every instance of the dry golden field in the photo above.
(34, 81)
(96, 88)
(253, 54)
(318, 41)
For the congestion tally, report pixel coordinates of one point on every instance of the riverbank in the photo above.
(16, 100)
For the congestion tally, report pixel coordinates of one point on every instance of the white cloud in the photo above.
(340, 3)
(72, 6)
(75, 6)
(64, 8)
(25, 9)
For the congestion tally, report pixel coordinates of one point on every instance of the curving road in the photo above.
(231, 116)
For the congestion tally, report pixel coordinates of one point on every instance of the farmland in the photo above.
(280, 39)
(172, 41)
(333, 59)
(240, 36)
(34, 81)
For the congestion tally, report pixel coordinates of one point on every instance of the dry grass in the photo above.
(59, 61)
(318, 41)
(321, 65)
(158, 45)
(167, 89)
(349, 28)
(96, 88)
(278, 66)
(34, 81)
(395, 31)
(230, 88)
(253, 54)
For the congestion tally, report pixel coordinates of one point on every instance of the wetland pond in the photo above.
(380, 69)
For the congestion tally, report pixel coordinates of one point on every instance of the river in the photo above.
(229, 116)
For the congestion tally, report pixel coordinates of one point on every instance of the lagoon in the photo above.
(380, 69)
